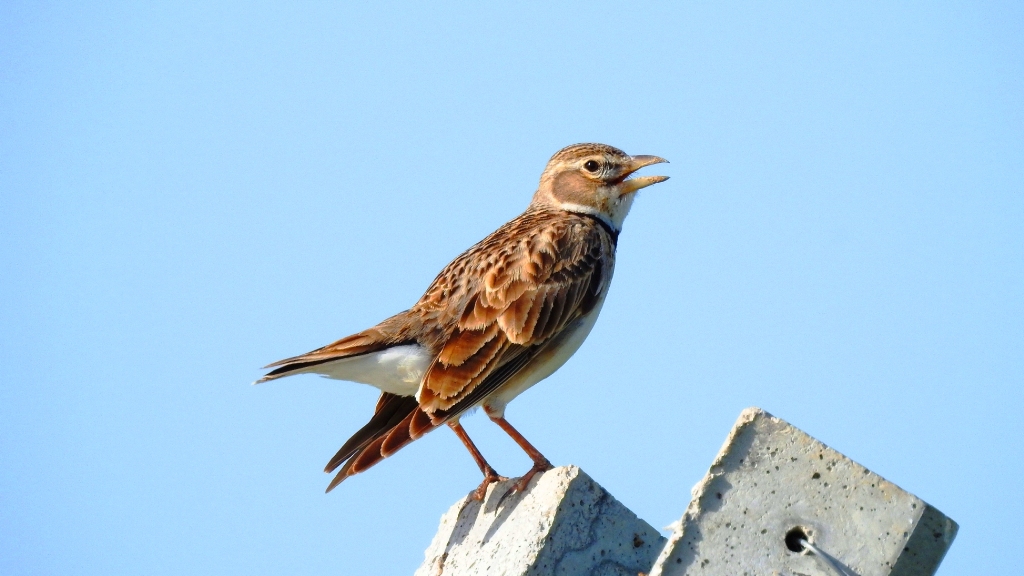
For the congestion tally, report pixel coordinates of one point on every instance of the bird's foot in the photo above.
(520, 484)
(481, 490)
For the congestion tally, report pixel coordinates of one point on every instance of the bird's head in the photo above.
(594, 179)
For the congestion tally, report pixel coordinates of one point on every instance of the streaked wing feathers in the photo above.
(534, 276)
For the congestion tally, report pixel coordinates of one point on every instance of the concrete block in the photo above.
(772, 485)
(565, 524)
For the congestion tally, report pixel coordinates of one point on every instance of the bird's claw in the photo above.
(481, 490)
(523, 481)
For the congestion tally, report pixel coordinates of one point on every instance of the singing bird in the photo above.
(501, 317)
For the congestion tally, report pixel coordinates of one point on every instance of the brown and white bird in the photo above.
(501, 317)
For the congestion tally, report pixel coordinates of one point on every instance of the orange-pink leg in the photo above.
(490, 475)
(540, 463)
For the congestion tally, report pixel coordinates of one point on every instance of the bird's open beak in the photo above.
(637, 162)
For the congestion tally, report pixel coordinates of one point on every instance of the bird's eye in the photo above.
(592, 165)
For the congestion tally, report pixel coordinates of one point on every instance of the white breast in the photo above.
(397, 370)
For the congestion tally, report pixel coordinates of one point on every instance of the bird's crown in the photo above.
(576, 151)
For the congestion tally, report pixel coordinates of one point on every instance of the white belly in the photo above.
(544, 364)
(398, 370)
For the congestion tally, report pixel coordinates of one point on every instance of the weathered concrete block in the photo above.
(772, 485)
(565, 524)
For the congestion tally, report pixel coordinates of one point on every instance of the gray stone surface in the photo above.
(565, 524)
(770, 479)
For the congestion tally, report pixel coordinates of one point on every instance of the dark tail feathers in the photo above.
(397, 421)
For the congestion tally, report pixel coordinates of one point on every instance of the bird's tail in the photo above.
(384, 335)
(397, 421)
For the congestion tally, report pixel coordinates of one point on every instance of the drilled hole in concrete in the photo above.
(795, 538)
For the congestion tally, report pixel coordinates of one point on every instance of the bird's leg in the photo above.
(540, 463)
(490, 475)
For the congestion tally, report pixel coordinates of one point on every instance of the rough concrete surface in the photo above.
(771, 485)
(564, 524)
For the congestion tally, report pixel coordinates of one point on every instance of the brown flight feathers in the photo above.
(530, 279)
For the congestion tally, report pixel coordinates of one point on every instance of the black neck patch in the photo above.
(607, 227)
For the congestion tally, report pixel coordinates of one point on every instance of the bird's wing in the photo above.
(397, 330)
(513, 292)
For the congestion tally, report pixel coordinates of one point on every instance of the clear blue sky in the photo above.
(188, 192)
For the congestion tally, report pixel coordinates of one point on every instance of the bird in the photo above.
(504, 315)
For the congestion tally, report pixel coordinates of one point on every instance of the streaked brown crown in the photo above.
(587, 149)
